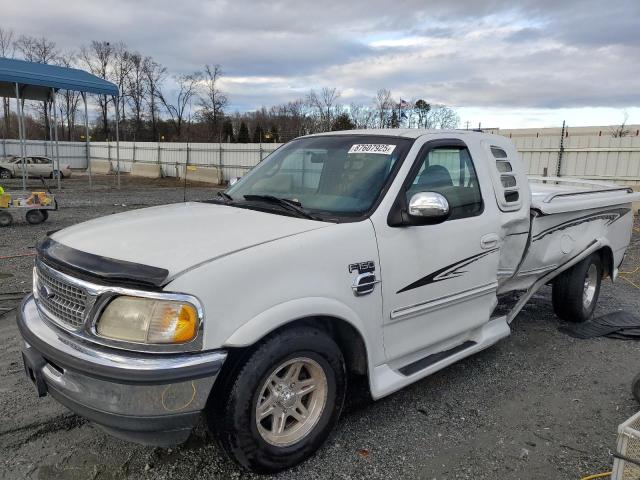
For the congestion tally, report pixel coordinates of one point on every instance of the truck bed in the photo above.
(551, 195)
(569, 217)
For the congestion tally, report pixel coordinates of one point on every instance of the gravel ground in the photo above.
(538, 405)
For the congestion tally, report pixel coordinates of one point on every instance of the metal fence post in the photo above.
(133, 158)
(186, 169)
(109, 152)
(220, 163)
(4, 148)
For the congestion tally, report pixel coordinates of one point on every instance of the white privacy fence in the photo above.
(234, 159)
(599, 157)
(592, 157)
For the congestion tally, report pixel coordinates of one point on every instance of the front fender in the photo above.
(287, 312)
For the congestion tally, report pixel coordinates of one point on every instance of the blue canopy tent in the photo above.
(37, 81)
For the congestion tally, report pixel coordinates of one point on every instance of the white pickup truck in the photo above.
(381, 253)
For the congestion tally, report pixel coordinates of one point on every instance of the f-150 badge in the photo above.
(363, 267)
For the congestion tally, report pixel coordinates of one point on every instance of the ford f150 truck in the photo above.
(381, 253)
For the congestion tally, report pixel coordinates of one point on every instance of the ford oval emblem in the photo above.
(45, 292)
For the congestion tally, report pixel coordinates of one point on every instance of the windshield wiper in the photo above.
(226, 197)
(290, 205)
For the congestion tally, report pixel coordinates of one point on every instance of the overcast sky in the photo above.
(533, 64)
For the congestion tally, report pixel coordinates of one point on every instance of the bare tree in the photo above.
(136, 88)
(441, 116)
(384, 106)
(7, 50)
(120, 73)
(154, 75)
(325, 106)
(98, 57)
(361, 116)
(68, 101)
(39, 50)
(621, 130)
(212, 100)
(187, 89)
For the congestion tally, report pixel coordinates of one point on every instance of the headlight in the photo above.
(147, 320)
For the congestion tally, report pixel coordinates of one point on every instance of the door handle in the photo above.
(490, 240)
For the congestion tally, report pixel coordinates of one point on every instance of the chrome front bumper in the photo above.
(149, 398)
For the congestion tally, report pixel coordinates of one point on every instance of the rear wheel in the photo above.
(35, 217)
(5, 219)
(280, 405)
(575, 291)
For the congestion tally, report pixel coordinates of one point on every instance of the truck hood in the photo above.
(180, 236)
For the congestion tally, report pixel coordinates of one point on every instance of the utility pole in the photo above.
(561, 152)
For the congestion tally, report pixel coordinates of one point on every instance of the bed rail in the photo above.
(604, 187)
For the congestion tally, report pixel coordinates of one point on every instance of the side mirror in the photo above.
(428, 207)
(233, 181)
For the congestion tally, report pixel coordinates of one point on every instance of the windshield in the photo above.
(340, 175)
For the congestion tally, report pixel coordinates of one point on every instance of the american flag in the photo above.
(404, 103)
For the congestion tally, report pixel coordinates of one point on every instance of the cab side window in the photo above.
(449, 171)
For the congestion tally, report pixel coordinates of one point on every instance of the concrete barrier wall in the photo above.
(147, 170)
(100, 167)
(204, 174)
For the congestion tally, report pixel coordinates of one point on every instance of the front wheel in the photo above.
(575, 291)
(282, 402)
(56, 174)
(5, 174)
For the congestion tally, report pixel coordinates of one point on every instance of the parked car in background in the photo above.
(11, 167)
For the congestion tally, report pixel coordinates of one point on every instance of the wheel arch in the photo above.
(339, 321)
(606, 258)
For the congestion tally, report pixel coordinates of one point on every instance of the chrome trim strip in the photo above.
(442, 302)
(538, 270)
(368, 286)
(98, 296)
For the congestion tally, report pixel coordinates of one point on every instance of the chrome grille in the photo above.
(65, 302)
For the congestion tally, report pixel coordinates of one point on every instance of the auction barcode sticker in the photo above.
(372, 148)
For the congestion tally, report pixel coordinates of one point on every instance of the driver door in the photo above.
(439, 281)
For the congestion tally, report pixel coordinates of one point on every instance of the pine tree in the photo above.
(343, 122)
(395, 122)
(243, 133)
(258, 134)
(274, 134)
(227, 132)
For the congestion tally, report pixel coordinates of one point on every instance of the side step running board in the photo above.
(434, 358)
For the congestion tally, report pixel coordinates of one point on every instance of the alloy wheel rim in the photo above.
(590, 283)
(291, 401)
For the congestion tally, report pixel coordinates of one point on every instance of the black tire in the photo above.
(569, 288)
(5, 219)
(232, 409)
(4, 173)
(635, 387)
(34, 217)
(55, 173)
(45, 214)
